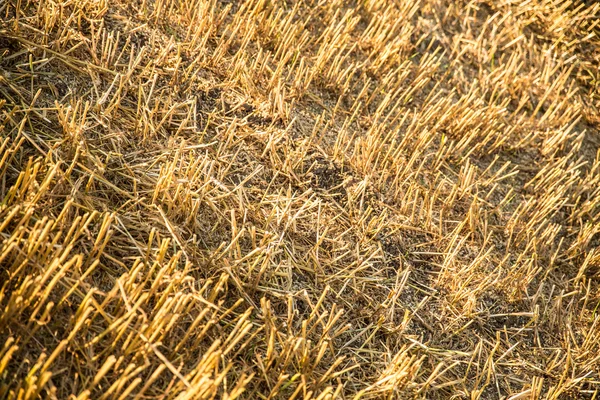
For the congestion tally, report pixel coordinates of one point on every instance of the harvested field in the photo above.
(277, 199)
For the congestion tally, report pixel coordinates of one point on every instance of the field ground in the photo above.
(276, 199)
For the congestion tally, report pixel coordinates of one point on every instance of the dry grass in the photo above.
(275, 199)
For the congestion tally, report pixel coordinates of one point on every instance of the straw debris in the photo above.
(271, 199)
